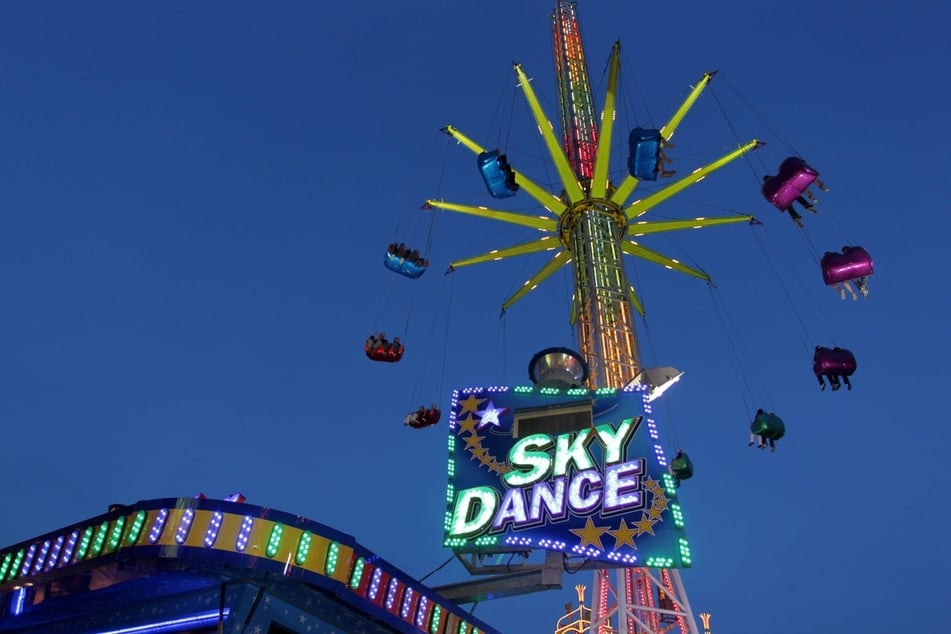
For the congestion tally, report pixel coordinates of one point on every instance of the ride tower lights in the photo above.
(606, 332)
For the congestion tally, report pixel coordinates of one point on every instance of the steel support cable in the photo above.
(805, 290)
(445, 341)
(761, 117)
(805, 338)
(735, 358)
(427, 353)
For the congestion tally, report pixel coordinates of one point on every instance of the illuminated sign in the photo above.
(571, 470)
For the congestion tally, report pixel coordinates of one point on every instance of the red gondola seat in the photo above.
(423, 418)
(384, 351)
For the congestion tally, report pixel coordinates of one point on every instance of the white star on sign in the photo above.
(490, 415)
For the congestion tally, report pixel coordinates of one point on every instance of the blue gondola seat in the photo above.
(644, 158)
(404, 266)
(497, 174)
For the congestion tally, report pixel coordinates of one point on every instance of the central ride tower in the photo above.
(593, 229)
(591, 225)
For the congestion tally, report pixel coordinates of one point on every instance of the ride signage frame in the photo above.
(580, 471)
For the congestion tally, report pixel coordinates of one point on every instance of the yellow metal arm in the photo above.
(633, 248)
(545, 198)
(562, 258)
(624, 189)
(535, 222)
(548, 243)
(636, 302)
(644, 227)
(668, 130)
(568, 178)
(599, 184)
(640, 207)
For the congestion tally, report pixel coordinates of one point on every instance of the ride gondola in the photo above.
(853, 264)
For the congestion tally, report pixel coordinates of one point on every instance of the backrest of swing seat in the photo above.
(845, 361)
(402, 265)
(760, 424)
(384, 354)
(824, 361)
(775, 427)
(495, 173)
(682, 467)
(794, 177)
(837, 361)
(644, 153)
(839, 267)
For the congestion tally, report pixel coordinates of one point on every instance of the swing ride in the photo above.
(530, 499)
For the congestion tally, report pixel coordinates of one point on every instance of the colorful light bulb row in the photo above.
(184, 526)
(244, 533)
(303, 548)
(214, 526)
(158, 525)
(678, 515)
(54, 555)
(108, 536)
(136, 528)
(274, 541)
(685, 552)
(404, 601)
(115, 535)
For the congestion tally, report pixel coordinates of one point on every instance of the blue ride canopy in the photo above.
(403, 266)
(645, 153)
(497, 174)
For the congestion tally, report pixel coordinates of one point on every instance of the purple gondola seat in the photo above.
(795, 176)
(851, 264)
(837, 361)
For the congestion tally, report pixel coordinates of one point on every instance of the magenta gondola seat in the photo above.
(834, 361)
(795, 177)
(839, 267)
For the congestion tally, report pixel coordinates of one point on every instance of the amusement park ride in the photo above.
(566, 474)
(508, 496)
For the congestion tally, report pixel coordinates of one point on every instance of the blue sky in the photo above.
(195, 204)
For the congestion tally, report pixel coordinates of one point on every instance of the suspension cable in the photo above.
(805, 338)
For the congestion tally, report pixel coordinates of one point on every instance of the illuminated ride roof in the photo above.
(190, 565)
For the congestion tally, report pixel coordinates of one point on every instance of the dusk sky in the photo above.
(196, 199)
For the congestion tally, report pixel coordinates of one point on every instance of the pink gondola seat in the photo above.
(838, 361)
(853, 263)
(795, 176)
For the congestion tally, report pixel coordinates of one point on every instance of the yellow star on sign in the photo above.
(467, 424)
(645, 525)
(652, 485)
(655, 513)
(659, 502)
(486, 459)
(623, 535)
(473, 441)
(470, 404)
(590, 534)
